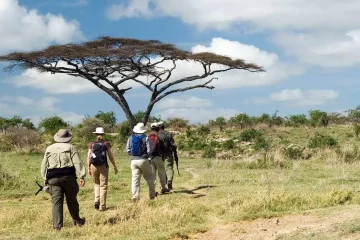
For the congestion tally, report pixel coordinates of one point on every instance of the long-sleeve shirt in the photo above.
(145, 141)
(62, 155)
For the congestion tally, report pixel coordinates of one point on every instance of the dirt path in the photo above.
(287, 226)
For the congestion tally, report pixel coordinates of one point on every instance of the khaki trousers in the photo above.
(59, 187)
(139, 168)
(158, 164)
(100, 175)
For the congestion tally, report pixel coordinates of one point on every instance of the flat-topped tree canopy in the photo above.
(109, 62)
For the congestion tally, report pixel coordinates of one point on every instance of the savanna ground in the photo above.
(248, 197)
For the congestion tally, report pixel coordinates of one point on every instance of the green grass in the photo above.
(207, 193)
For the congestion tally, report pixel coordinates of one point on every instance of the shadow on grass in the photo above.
(192, 191)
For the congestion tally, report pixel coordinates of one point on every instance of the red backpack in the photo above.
(154, 142)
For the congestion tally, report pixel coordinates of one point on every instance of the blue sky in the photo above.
(310, 51)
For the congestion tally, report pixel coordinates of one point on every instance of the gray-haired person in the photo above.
(60, 168)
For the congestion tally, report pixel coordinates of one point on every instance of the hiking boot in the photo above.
(79, 222)
(156, 194)
(96, 205)
(170, 185)
(165, 190)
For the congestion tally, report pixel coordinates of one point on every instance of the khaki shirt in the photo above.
(61, 155)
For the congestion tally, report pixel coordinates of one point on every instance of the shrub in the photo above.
(357, 130)
(177, 123)
(203, 131)
(321, 141)
(23, 139)
(316, 116)
(52, 124)
(228, 144)
(249, 134)
(293, 151)
(260, 144)
(296, 120)
(84, 131)
(209, 152)
(7, 180)
(220, 122)
(242, 120)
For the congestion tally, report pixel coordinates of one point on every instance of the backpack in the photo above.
(138, 148)
(154, 142)
(164, 142)
(98, 154)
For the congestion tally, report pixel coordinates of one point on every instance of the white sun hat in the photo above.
(154, 125)
(139, 128)
(99, 131)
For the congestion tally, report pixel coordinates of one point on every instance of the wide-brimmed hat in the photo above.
(62, 136)
(99, 131)
(139, 128)
(160, 124)
(154, 125)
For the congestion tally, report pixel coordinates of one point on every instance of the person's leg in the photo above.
(96, 178)
(148, 172)
(71, 189)
(57, 197)
(169, 166)
(159, 163)
(136, 177)
(104, 176)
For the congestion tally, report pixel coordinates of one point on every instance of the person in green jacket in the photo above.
(166, 149)
(60, 168)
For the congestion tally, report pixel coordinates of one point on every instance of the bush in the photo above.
(249, 135)
(52, 124)
(260, 144)
(177, 123)
(228, 144)
(293, 151)
(322, 141)
(203, 131)
(7, 180)
(23, 139)
(296, 120)
(357, 130)
(315, 117)
(209, 152)
(84, 131)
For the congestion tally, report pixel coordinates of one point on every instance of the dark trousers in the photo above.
(68, 186)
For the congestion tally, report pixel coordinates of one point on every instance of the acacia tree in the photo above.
(111, 63)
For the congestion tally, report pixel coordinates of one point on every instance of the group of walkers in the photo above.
(62, 166)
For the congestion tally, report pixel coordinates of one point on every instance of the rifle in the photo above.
(42, 188)
(176, 158)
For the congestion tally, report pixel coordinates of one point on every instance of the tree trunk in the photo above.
(147, 113)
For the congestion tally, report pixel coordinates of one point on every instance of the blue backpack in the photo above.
(138, 148)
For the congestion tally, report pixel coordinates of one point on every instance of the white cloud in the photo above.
(134, 8)
(312, 31)
(262, 14)
(35, 108)
(23, 29)
(184, 102)
(53, 83)
(297, 97)
(326, 49)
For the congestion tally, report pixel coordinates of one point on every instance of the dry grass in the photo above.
(207, 193)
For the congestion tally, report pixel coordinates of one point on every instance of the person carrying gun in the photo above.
(60, 168)
(167, 149)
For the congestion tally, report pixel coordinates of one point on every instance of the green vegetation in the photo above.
(227, 175)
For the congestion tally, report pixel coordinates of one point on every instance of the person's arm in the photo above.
(44, 166)
(79, 166)
(172, 141)
(128, 146)
(88, 161)
(112, 160)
